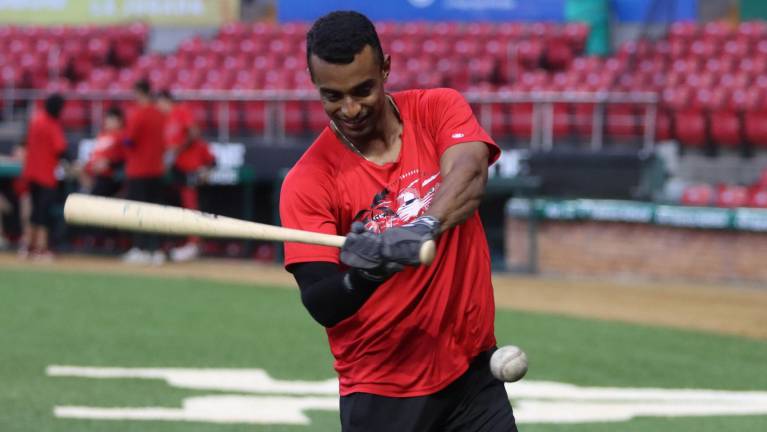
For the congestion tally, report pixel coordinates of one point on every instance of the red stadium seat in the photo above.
(732, 196)
(512, 30)
(698, 195)
(576, 34)
(725, 128)
(620, 121)
(529, 53)
(317, 118)
(200, 112)
(683, 30)
(558, 54)
(293, 117)
(500, 120)
(758, 197)
(583, 118)
(561, 120)
(521, 119)
(690, 128)
(752, 30)
(75, 114)
(755, 127)
(255, 116)
(662, 126)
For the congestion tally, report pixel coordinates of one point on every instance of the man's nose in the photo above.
(350, 108)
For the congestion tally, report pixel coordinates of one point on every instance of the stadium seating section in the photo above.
(711, 78)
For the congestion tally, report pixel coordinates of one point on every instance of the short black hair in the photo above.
(143, 86)
(54, 103)
(338, 36)
(117, 112)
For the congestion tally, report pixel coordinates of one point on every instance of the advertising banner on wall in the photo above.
(428, 10)
(101, 12)
(486, 10)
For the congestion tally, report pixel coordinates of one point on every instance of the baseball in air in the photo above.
(508, 363)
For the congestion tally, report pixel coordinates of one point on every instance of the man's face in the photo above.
(112, 123)
(164, 104)
(352, 94)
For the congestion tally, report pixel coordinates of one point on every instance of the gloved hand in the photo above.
(403, 244)
(362, 252)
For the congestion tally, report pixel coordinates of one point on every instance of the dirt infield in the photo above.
(737, 310)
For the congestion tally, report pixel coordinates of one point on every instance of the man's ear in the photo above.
(386, 66)
(311, 76)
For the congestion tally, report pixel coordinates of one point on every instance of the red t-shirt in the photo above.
(180, 119)
(45, 144)
(107, 148)
(145, 148)
(197, 155)
(420, 329)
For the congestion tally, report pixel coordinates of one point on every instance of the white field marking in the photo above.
(534, 401)
(239, 380)
(216, 409)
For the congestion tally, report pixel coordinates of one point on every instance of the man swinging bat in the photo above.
(411, 342)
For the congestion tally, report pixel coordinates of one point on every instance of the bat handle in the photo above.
(426, 254)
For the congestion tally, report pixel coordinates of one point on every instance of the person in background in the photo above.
(190, 160)
(98, 172)
(46, 145)
(144, 147)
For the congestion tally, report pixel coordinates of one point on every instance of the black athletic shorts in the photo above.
(475, 402)
(43, 198)
(105, 186)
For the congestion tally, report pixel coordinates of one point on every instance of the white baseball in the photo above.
(508, 363)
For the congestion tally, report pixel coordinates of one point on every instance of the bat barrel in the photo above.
(80, 209)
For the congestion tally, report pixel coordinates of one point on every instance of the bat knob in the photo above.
(426, 254)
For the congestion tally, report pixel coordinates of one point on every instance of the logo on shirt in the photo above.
(389, 208)
(457, 135)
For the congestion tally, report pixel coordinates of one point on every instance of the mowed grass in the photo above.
(51, 318)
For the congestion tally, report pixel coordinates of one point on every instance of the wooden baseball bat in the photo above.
(81, 209)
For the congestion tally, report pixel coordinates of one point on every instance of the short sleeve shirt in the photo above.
(421, 328)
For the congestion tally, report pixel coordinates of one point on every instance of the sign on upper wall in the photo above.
(485, 10)
(79, 12)
(428, 10)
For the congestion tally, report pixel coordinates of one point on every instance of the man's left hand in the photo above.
(403, 244)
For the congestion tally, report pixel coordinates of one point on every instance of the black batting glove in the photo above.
(403, 244)
(362, 252)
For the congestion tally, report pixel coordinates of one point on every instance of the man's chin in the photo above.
(356, 134)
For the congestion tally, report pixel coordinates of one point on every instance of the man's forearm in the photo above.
(459, 196)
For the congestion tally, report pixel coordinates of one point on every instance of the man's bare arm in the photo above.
(463, 168)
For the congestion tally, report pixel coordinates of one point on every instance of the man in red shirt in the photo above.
(411, 343)
(107, 152)
(191, 161)
(46, 144)
(144, 146)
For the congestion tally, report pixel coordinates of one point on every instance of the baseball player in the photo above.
(411, 342)
(144, 148)
(46, 145)
(191, 160)
(107, 152)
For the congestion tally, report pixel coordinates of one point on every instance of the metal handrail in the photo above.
(543, 103)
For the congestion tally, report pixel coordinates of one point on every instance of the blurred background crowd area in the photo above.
(654, 101)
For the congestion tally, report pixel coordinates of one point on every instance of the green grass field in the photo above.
(52, 318)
